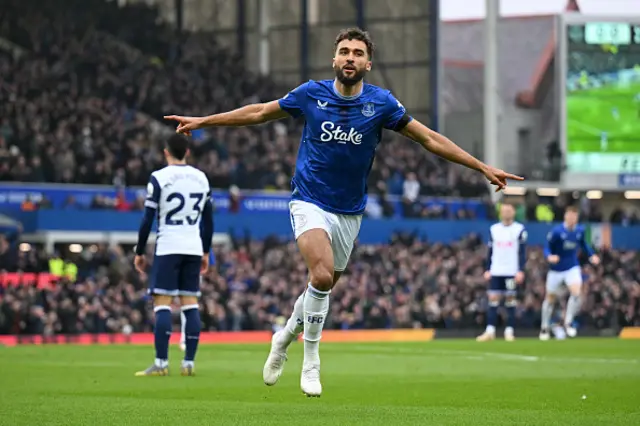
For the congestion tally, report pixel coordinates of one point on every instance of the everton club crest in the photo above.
(368, 109)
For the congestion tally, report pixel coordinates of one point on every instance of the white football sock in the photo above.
(547, 312)
(316, 307)
(572, 309)
(295, 323)
(183, 323)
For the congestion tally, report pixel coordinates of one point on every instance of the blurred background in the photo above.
(550, 91)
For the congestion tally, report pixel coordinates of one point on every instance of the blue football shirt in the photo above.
(338, 142)
(565, 243)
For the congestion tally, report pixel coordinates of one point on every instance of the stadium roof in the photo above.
(525, 58)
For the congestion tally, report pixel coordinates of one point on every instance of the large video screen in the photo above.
(603, 98)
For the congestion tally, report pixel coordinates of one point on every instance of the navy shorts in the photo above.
(175, 275)
(502, 285)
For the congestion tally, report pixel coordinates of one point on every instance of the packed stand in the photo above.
(405, 284)
(70, 104)
(66, 100)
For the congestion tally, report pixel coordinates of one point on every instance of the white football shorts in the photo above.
(341, 229)
(555, 279)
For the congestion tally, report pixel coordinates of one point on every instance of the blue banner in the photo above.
(629, 180)
(373, 231)
(83, 196)
(13, 195)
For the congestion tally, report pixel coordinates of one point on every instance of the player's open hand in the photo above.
(499, 177)
(595, 260)
(487, 275)
(553, 259)
(140, 262)
(204, 264)
(185, 124)
(519, 277)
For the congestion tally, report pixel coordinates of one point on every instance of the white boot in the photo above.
(310, 381)
(274, 365)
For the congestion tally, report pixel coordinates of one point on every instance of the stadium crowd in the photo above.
(406, 283)
(83, 87)
(81, 95)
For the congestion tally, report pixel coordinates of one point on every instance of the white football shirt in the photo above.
(179, 193)
(505, 242)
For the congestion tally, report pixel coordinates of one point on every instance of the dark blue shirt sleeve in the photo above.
(153, 193)
(145, 230)
(489, 252)
(151, 206)
(294, 101)
(548, 247)
(206, 232)
(395, 112)
(522, 253)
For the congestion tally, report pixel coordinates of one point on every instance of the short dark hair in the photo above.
(356, 34)
(177, 145)
(573, 209)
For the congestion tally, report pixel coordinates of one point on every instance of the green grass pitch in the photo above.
(433, 383)
(590, 112)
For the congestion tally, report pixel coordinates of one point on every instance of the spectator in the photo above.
(93, 77)
(28, 205)
(8, 256)
(406, 283)
(410, 192)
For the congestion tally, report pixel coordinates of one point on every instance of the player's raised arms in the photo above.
(344, 121)
(431, 140)
(442, 146)
(248, 115)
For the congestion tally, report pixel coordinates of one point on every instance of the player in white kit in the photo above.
(180, 197)
(505, 269)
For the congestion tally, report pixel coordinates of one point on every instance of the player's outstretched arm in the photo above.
(248, 115)
(442, 146)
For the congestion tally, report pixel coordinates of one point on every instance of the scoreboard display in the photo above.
(601, 104)
(599, 33)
